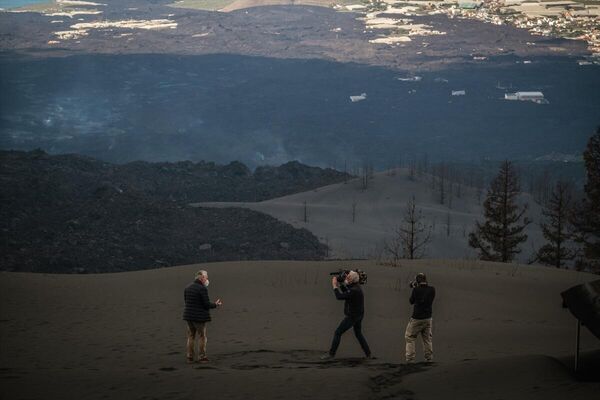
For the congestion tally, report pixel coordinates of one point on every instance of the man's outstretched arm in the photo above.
(206, 303)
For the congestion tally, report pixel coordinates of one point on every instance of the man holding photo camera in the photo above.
(421, 321)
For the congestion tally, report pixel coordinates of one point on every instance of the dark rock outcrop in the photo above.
(75, 214)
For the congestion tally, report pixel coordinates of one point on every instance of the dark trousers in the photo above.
(346, 324)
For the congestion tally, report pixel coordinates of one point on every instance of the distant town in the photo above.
(74, 25)
(566, 19)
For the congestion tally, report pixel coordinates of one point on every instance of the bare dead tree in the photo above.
(412, 170)
(305, 219)
(478, 187)
(345, 171)
(442, 187)
(410, 238)
(433, 180)
(423, 165)
(393, 248)
(368, 172)
(542, 186)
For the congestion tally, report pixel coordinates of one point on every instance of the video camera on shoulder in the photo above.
(341, 275)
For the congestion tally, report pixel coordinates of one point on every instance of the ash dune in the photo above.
(473, 379)
(498, 330)
(379, 209)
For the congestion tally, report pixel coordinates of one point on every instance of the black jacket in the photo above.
(422, 297)
(354, 305)
(197, 304)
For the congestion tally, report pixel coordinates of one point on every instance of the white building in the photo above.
(536, 97)
(361, 97)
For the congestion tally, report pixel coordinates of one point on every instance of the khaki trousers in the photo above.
(415, 328)
(196, 329)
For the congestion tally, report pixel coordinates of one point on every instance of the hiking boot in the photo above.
(327, 356)
(190, 360)
(203, 359)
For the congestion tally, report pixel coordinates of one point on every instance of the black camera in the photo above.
(341, 275)
(420, 278)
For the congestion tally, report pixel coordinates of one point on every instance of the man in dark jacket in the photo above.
(421, 321)
(354, 311)
(197, 314)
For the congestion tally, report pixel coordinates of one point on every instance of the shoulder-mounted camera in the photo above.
(341, 275)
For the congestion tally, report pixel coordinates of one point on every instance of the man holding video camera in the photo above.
(421, 321)
(354, 311)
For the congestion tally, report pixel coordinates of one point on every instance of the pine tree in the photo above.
(587, 219)
(498, 238)
(557, 230)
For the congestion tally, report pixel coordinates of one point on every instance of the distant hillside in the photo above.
(356, 222)
(184, 181)
(76, 214)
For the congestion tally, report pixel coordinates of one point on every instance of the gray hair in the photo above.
(353, 277)
(200, 273)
